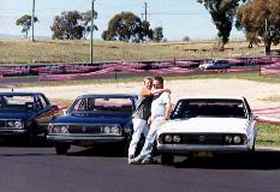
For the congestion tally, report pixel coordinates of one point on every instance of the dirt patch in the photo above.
(253, 91)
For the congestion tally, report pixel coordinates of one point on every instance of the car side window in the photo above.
(37, 103)
(43, 102)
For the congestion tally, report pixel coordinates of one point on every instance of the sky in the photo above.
(179, 18)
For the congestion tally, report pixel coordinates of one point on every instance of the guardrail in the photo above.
(174, 64)
(266, 65)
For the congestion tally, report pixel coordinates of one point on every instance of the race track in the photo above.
(39, 169)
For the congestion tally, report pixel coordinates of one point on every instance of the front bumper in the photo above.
(76, 138)
(186, 149)
(13, 132)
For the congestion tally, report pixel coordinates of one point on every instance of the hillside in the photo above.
(22, 51)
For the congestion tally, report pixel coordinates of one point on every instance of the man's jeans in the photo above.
(139, 126)
(146, 152)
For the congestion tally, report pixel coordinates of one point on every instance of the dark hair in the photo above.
(159, 79)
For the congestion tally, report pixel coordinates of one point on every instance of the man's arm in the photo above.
(168, 108)
(145, 92)
(159, 91)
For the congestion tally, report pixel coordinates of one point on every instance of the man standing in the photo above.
(160, 112)
(142, 114)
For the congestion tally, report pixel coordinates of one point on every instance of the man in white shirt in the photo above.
(142, 114)
(160, 112)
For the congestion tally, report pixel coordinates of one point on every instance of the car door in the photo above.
(45, 112)
(251, 129)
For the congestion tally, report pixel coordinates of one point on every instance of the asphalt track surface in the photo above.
(39, 169)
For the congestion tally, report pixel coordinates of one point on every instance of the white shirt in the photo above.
(158, 105)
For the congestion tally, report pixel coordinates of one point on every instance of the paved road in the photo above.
(40, 170)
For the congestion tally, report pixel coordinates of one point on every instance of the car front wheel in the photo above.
(61, 148)
(254, 146)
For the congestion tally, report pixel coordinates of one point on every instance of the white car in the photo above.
(207, 125)
(215, 65)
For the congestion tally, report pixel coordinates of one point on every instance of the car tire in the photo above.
(124, 148)
(62, 148)
(167, 159)
(254, 146)
(31, 136)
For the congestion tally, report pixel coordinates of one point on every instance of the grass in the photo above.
(21, 51)
(268, 135)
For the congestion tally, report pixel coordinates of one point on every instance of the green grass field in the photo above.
(268, 135)
(22, 51)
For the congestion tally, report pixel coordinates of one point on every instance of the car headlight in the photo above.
(18, 124)
(237, 139)
(228, 139)
(58, 128)
(11, 123)
(15, 124)
(50, 127)
(177, 139)
(115, 130)
(168, 138)
(107, 130)
(64, 129)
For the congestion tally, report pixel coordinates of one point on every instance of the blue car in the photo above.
(92, 120)
(25, 115)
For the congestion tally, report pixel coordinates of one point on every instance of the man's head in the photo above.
(158, 82)
(148, 82)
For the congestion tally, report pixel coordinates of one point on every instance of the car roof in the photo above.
(118, 95)
(212, 98)
(20, 93)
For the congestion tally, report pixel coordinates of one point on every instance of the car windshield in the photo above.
(19, 103)
(209, 108)
(92, 104)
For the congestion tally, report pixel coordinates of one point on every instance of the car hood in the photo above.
(16, 115)
(93, 118)
(206, 125)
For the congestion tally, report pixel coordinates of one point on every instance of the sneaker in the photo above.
(135, 161)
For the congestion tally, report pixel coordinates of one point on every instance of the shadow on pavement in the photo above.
(101, 151)
(264, 160)
(14, 142)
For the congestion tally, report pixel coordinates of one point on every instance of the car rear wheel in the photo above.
(167, 159)
(61, 148)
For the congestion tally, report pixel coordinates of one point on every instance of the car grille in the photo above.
(91, 129)
(203, 139)
(2, 124)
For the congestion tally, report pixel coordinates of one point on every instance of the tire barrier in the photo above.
(174, 66)
(272, 69)
(268, 115)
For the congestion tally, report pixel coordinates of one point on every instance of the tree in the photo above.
(72, 25)
(26, 21)
(186, 38)
(158, 34)
(126, 26)
(222, 13)
(86, 18)
(260, 20)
